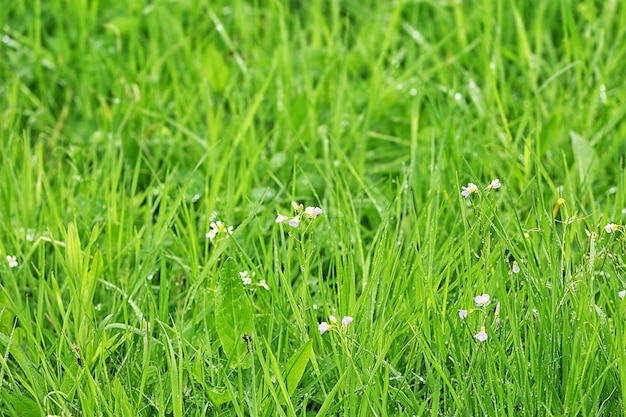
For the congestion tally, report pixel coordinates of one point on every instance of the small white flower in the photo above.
(346, 320)
(323, 327)
(610, 227)
(218, 227)
(621, 294)
(297, 207)
(494, 185)
(280, 218)
(462, 314)
(332, 319)
(471, 188)
(482, 300)
(516, 267)
(482, 334)
(294, 222)
(245, 277)
(263, 284)
(312, 212)
(12, 260)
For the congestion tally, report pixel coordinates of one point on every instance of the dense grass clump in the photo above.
(322, 208)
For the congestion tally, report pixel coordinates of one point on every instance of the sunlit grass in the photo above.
(144, 145)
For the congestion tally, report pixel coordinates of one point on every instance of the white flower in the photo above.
(471, 188)
(516, 268)
(481, 335)
(297, 207)
(218, 227)
(294, 222)
(312, 212)
(263, 284)
(610, 227)
(245, 277)
(280, 218)
(462, 314)
(482, 300)
(323, 327)
(346, 320)
(12, 260)
(494, 185)
(621, 294)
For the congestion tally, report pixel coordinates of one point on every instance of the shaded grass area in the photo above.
(128, 127)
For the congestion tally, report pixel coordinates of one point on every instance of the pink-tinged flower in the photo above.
(346, 320)
(515, 268)
(610, 227)
(332, 319)
(297, 207)
(312, 212)
(12, 261)
(494, 185)
(482, 300)
(463, 314)
(482, 334)
(497, 312)
(621, 294)
(280, 218)
(323, 327)
(294, 222)
(471, 188)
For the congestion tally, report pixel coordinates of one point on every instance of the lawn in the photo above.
(312, 208)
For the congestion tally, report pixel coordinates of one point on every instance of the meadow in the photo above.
(317, 208)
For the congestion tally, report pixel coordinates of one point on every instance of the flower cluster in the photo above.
(323, 327)
(482, 301)
(301, 212)
(246, 278)
(610, 227)
(471, 188)
(218, 227)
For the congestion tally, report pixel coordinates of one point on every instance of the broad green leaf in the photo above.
(585, 156)
(219, 397)
(30, 379)
(233, 316)
(296, 366)
(25, 406)
(7, 318)
(123, 406)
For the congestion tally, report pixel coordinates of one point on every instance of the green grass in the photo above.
(127, 127)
